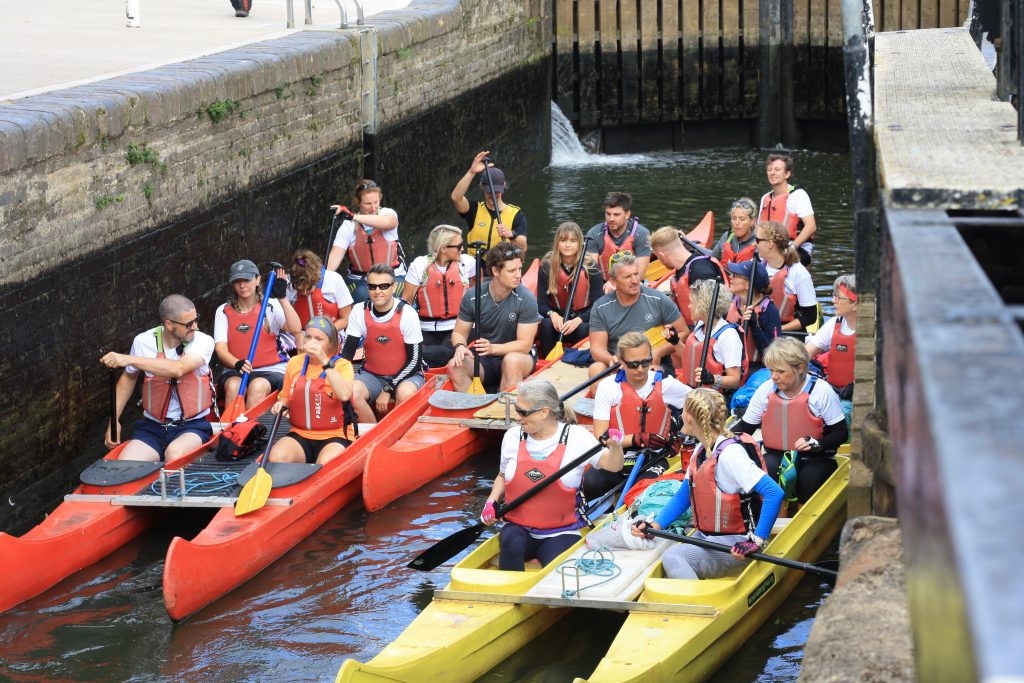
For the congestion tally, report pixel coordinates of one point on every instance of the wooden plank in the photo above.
(650, 58)
(586, 44)
(817, 18)
(929, 10)
(565, 67)
(629, 40)
(585, 603)
(948, 14)
(835, 102)
(750, 56)
(909, 15)
(892, 13)
(877, 9)
(609, 90)
(801, 56)
(711, 58)
(691, 59)
(731, 86)
(670, 65)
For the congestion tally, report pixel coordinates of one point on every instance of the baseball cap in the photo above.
(497, 178)
(243, 270)
(760, 280)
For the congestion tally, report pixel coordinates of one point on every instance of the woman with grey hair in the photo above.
(835, 344)
(796, 412)
(547, 439)
(435, 284)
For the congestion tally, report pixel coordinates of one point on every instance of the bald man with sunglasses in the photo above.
(177, 395)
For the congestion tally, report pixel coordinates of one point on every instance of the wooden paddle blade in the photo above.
(556, 352)
(447, 548)
(254, 494)
(477, 387)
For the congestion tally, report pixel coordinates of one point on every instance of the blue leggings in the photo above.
(518, 546)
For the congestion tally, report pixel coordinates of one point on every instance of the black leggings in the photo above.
(812, 470)
(547, 337)
(518, 546)
(437, 348)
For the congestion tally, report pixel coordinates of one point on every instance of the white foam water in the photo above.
(567, 150)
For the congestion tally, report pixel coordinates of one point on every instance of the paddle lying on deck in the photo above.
(449, 547)
(256, 491)
(819, 570)
(557, 351)
(238, 405)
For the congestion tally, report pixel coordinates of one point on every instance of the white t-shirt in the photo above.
(823, 337)
(417, 274)
(144, 346)
(274, 319)
(823, 402)
(346, 237)
(579, 442)
(609, 394)
(736, 472)
(728, 349)
(409, 324)
(334, 290)
(799, 282)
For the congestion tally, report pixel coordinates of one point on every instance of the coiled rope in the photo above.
(595, 562)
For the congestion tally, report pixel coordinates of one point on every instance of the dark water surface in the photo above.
(345, 592)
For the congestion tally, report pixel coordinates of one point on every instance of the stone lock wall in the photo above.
(116, 193)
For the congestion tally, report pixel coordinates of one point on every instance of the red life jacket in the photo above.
(609, 247)
(681, 288)
(787, 419)
(553, 508)
(841, 356)
(312, 404)
(370, 248)
(241, 327)
(634, 415)
(693, 349)
(777, 209)
(749, 345)
(438, 298)
(786, 303)
(384, 345)
(563, 280)
(195, 395)
(314, 303)
(715, 512)
(733, 254)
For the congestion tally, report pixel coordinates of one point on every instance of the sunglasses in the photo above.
(619, 255)
(194, 322)
(523, 412)
(458, 246)
(761, 239)
(368, 185)
(634, 364)
(382, 286)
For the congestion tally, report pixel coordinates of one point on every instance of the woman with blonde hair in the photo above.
(546, 440)
(740, 241)
(795, 411)
(725, 481)
(725, 365)
(558, 272)
(435, 283)
(792, 287)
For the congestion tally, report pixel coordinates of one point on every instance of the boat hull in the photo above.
(231, 550)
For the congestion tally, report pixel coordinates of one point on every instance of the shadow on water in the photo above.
(345, 591)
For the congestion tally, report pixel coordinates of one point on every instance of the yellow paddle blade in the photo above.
(254, 494)
(556, 352)
(655, 271)
(655, 335)
(477, 387)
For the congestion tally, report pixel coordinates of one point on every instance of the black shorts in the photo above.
(276, 379)
(312, 447)
(490, 368)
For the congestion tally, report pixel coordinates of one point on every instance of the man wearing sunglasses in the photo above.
(493, 220)
(631, 307)
(620, 232)
(176, 391)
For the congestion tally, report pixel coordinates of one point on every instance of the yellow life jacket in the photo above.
(485, 229)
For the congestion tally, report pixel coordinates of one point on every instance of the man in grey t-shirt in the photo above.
(630, 307)
(619, 232)
(507, 326)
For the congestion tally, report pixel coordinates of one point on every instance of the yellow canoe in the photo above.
(484, 614)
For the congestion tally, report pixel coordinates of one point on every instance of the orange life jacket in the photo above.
(715, 512)
(609, 247)
(241, 327)
(384, 345)
(635, 415)
(314, 303)
(195, 394)
(312, 404)
(438, 298)
(749, 345)
(787, 419)
(841, 356)
(693, 349)
(786, 303)
(732, 253)
(556, 507)
(370, 248)
(563, 280)
(776, 209)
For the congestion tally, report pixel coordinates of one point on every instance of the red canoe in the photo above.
(79, 533)
(231, 550)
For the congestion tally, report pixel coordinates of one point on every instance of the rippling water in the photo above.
(345, 591)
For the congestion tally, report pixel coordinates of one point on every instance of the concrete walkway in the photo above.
(52, 44)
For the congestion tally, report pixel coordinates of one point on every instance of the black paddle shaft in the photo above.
(476, 303)
(707, 326)
(330, 235)
(694, 247)
(750, 294)
(113, 406)
(449, 547)
(572, 291)
(814, 569)
(596, 378)
(494, 200)
(270, 439)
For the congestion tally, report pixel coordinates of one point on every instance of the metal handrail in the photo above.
(360, 15)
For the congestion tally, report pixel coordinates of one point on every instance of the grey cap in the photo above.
(243, 270)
